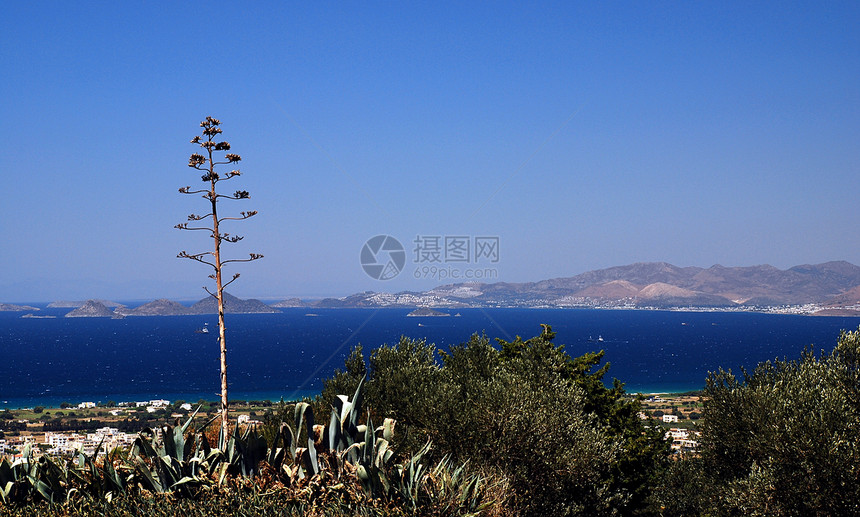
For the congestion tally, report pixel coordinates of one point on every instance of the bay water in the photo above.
(270, 356)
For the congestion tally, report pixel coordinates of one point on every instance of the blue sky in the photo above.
(582, 135)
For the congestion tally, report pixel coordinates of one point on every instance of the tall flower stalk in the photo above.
(211, 222)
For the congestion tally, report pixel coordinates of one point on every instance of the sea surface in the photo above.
(270, 356)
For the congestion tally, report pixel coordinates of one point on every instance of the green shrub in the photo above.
(783, 440)
(545, 421)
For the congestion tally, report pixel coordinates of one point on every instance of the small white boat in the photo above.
(204, 330)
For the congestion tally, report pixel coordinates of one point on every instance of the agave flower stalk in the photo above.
(211, 222)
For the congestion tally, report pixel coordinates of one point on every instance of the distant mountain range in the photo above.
(831, 288)
(832, 285)
(662, 284)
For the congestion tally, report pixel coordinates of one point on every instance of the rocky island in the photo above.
(9, 307)
(66, 304)
(426, 311)
(232, 305)
(91, 309)
(165, 307)
(288, 303)
(160, 307)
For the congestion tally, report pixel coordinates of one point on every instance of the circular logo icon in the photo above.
(382, 257)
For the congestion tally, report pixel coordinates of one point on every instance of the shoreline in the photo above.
(54, 401)
(807, 309)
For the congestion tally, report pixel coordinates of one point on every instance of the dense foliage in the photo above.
(783, 440)
(567, 444)
(347, 467)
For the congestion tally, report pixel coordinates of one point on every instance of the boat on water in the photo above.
(203, 330)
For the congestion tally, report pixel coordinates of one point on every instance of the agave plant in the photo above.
(174, 462)
(330, 459)
(29, 479)
(22, 480)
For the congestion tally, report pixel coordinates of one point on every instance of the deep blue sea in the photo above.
(48, 361)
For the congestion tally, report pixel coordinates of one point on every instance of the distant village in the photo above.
(663, 411)
(100, 441)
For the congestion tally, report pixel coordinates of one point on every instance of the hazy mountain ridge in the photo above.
(849, 297)
(834, 287)
(643, 284)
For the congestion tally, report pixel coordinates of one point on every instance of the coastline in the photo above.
(54, 401)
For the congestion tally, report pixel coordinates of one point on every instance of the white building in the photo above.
(246, 420)
(670, 418)
(682, 440)
(109, 438)
(676, 433)
(57, 441)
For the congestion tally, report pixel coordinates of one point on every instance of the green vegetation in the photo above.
(542, 420)
(344, 468)
(783, 440)
(505, 429)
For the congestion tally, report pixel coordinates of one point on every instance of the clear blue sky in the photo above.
(583, 135)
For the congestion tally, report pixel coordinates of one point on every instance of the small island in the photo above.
(91, 309)
(9, 307)
(426, 311)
